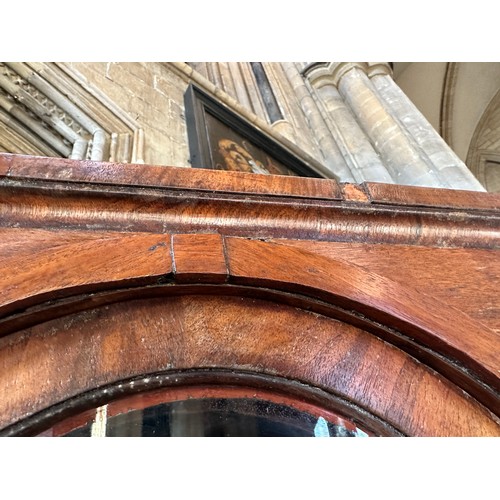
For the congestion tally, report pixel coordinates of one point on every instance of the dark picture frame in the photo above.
(220, 139)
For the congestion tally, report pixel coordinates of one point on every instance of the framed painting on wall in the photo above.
(222, 140)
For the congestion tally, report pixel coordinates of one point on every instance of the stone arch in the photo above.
(483, 157)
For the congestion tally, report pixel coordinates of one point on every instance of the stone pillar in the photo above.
(410, 149)
(240, 87)
(399, 152)
(333, 157)
(451, 171)
(366, 163)
(363, 160)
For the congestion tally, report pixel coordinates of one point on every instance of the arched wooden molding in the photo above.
(119, 342)
(355, 295)
(74, 253)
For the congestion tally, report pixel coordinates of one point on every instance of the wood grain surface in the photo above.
(199, 258)
(61, 169)
(68, 194)
(464, 278)
(115, 342)
(384, 297)
(44, 265)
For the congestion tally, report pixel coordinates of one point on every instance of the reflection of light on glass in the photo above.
(361, 434)
(99, 425)
(257, 169)
(321, 428)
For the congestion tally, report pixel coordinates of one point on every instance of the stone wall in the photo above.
(152, 94)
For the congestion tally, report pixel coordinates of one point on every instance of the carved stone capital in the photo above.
(321, 74)
(48, 110)
(379, 68)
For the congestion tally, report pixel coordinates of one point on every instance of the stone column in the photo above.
(359, 153)
(451, 171)
(240, 87)
(333, 158)
(398, 150)
(410, 149)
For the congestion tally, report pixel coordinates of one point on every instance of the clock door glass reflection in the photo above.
(206, 417)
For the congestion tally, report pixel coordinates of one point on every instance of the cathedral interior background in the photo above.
(425, 124)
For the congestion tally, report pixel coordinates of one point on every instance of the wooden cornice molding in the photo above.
(48, 192)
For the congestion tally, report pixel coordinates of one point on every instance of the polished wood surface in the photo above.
(64, 194)
(384, 297)
(123, 340)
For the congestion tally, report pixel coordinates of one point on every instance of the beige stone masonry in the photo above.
(399, 153)
(363, 160)
(411, 150)
(451, 171)
(333, 157)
